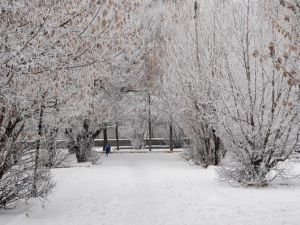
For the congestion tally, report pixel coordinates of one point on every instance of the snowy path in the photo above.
(155, 189)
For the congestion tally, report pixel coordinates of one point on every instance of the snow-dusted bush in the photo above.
(54, 158)
(53, 155)
(81, 139)
(257, 116)
(94, 157)
(138, 134)
(206, 151)
(19, 177)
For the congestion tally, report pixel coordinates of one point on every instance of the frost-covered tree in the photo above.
(45, 45)
(284, 17)
(104, 83)
(257, 116)
(191, 62)
(137, 74)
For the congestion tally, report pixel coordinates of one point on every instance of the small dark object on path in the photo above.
(107, 149)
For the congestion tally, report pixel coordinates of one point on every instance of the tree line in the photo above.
(225, 74)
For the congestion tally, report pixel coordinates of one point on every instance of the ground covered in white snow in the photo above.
(155, 189)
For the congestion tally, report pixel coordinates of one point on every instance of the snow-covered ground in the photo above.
(155, 189)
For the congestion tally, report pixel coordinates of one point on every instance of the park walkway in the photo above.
(154, 189)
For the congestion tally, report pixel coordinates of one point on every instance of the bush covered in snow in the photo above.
(20, 177)
(81, 140)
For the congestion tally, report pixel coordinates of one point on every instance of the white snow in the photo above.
(155, 189)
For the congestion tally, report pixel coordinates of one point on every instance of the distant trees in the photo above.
(191, 63)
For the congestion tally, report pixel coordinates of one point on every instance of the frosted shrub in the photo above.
(18, 177)
(257, 116)
(81, 140)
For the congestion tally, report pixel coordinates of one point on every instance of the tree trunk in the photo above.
(150, 128)
(171, 137)
(196, 8)
(52, 146)
(104, 138)
(117, 137)
(38, 146)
